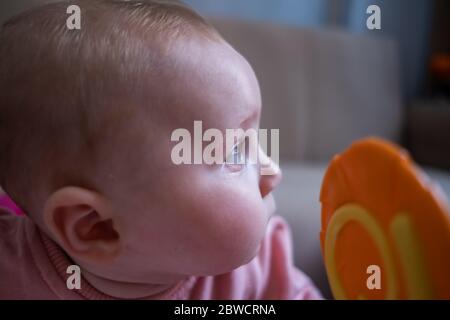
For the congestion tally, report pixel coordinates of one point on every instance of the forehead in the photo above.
(213, 83)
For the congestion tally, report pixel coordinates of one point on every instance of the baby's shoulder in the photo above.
(12, 251)
(275, 252)
(12, 237)
(9, 223)
(273, 271)
(277, 241)
(19, 276)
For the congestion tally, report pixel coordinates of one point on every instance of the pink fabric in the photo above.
(32, 266)
(7, 203)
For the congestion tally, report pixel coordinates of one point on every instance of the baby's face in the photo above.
(194, 219)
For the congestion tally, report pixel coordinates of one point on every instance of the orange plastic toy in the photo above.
(385, 227)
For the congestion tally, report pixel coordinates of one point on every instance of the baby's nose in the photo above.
(271, 177)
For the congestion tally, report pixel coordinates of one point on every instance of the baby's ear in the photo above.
(82, 222)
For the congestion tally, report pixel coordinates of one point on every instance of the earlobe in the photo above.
(82, 222)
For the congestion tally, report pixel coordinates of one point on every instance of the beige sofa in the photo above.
(323, 89)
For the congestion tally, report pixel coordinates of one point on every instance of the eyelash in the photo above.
(236, 164)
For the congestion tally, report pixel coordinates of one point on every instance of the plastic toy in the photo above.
(382, 217)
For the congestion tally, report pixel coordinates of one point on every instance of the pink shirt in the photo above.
(32, 266)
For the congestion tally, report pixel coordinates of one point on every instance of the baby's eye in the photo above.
(236, 159)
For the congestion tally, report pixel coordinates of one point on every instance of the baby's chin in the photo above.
(270, 204)
(230, 263)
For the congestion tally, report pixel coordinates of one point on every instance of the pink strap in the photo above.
(7, 203)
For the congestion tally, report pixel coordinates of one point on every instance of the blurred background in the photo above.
(327, 80)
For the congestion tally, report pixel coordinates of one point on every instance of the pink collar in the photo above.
(61, 261)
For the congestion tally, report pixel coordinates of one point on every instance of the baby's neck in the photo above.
(126, 290)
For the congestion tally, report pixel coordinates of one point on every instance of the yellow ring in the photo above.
(343, 215)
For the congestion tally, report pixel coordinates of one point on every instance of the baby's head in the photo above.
(86, 118)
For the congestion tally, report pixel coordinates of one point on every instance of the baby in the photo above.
(86, 117)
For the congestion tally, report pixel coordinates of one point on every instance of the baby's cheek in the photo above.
(235, 226)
